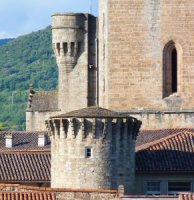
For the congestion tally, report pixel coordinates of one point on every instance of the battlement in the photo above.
(102, 128)
(68, 52)
(68, 20)
(68, 38)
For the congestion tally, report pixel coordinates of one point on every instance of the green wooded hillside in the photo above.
(28, 59)
(5, 41)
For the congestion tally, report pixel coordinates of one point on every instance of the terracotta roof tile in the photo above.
(173, 153)
(147, 136)
(6, 195)
(18, 187)
(25, 166)
(186, 196)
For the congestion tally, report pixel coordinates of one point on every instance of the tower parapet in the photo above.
(93, 148)
(68, 38)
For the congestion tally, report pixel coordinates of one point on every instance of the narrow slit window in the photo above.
(65, 48)
(72, 48)
(58, 48)
(88, 152)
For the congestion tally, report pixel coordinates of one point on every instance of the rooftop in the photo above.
(170, 154)
(23, 140)
(25, 166)
(148, 136)
(92, 112)
(158, 151)
(24, 192)
(7, 195)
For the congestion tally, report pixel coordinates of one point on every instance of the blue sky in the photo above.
(18, 17)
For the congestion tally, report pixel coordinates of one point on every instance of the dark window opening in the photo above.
(72, 48)
(172, 59)
(65, 48)
(88, 152)
(58, 48)
(174, 70)
(175, 187)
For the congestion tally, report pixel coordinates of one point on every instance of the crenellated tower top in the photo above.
(68, 38)
(93, 122)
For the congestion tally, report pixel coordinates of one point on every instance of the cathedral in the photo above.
(131, 67)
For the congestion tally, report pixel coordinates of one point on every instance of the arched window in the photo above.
(174, 70)
(172, 59)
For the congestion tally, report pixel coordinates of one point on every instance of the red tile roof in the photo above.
(186, 196)
(24, 192)
(27, 195)
(158, 151)
(173, 153)
(147, 136)
(25, 166)
(29, 188)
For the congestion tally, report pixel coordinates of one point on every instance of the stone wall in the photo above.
(35, 120)
(168, 120)
(133, 36)
(103, 52)
(85, 196)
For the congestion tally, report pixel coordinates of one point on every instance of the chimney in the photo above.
(41, 140)
(8, 140)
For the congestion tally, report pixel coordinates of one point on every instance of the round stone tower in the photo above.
(93, 148)
(74, 45)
